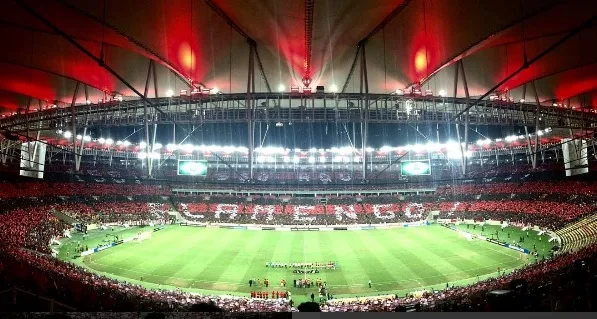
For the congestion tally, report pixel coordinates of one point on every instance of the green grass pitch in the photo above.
(221, 261)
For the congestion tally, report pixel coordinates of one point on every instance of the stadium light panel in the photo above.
(171, 147)
(169, 93)
(157, 146)
(333, 88)
(88, 102)
(385, 149)
(322, 159)
(281, 88)
(68, 134)
(101, 140)
(109, 141)
(86, 138)
(442, 92)
(142, 145)
(119, 143)
(126, 143)
(79, 136)
(215, 90)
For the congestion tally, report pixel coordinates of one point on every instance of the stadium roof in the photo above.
(207, 42)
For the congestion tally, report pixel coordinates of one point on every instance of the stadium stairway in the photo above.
(579, 234)
(64, 217)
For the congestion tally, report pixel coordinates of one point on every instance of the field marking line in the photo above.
(193, 280)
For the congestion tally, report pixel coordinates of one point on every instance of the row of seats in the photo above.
(48, 189)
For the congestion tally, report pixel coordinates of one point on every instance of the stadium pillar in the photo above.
(364, 110)
(249, 106)
(146, 118)
(73, 123)
(79, 155)
(526, 129)
(466, 120)
(463, 149)
(4, 144)
(536, 146)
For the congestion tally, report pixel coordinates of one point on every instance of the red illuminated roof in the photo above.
(193, 41)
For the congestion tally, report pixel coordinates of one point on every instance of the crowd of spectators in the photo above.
(566, 282)
(537, 212)
(25, 234)
(527, 187)
(50, 189)
(74, 285)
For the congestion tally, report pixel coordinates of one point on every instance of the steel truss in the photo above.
(302, 108)
(10, 149)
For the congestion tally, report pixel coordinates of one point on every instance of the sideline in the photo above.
(514, 264)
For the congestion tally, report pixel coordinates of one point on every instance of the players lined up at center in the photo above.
(317, 265)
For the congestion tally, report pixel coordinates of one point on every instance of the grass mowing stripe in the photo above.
(224, 260)
(453, 262)
(260, 252)
(369, 263)
(416, 265)
(338, 276)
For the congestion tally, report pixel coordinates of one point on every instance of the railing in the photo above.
(11, 297)
(297, 108)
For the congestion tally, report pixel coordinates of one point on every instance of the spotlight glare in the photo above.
(281, 88)
(169, 93)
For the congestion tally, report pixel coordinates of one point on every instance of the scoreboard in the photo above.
(192, 168)
(418, 167)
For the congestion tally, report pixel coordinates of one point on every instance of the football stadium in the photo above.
(289, 156)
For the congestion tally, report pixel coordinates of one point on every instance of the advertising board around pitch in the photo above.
(192, 167)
